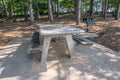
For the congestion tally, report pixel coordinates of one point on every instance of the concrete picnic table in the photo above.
(50, 31)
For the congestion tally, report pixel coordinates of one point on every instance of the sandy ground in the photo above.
(107, 29)
(93, 62)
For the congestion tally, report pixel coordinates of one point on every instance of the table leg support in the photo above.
(46, 43)
(70, 44)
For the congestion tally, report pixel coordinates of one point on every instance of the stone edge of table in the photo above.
(59, 30)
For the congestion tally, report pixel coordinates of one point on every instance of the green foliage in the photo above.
(69, 4)
(113, 2)
(43, 8)
(85, 5)
(19, 6)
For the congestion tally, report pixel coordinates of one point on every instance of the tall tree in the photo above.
(50, 14)
(31, 12)
(36, 10)
(75, 2)
(118, 11)
(57, 1)
(105, 9)
(11, 9)
(5, 9)
(78, 7)
(91, 7)
(26, 10)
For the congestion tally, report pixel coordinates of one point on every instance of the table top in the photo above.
(58, 29)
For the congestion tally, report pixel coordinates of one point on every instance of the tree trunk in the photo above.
(12, 13)
(13, 9)
(26, 11)
(31, 13)
(78, 7)
(103, 5)
(91, 7)
(118, 11)
(37, 11)
(75, 2)
(57, 8)
(26, 15)
(50, 14)
(5, 9)
(105, 9)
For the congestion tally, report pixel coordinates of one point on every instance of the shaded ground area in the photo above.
(109, 35)
(93, 62)
(108, 30)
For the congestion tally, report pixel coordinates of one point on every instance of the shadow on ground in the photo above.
(93, 62)
(16, 63)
